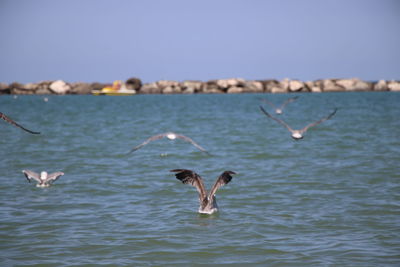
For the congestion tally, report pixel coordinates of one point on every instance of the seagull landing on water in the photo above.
(298, 134)
(44, 179)
(208, 202)
(279, 110)
(9, 120)
(170, 136)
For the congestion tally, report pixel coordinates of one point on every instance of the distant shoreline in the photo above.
(220, 86)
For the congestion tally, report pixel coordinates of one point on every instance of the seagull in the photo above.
(298, 134)
(44, 179)
(279, 110)
(208, 202)
(9, 120)
(171, 136)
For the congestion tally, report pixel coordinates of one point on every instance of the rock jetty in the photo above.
(230, 86)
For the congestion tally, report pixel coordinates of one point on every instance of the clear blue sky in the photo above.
(97, 40)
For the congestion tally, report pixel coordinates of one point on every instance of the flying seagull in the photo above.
(171, 136)
(279, 110)
(44, 179)
(298, 134)
(9, 120)
(208, 202)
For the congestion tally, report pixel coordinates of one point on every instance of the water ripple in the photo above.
(329, 199)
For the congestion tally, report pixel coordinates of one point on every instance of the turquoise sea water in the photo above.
(331, 199)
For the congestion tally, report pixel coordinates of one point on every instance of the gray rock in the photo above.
(188, 90)
(81, 88)
(150, 88)
(381, 86)
(296, 86)
(172, 90)
(43, 91)
(42, 88)
(278, 90)
(224, 84)
(354, 85)
(285, 84)
(279, 87)
(166, 83)
(329, 85)
(211, 87)
(394, 86)
(235, 90)
(213, 91)
(20, 89)
(191, 86)
(253, 87)
(31, 86)
(313, 87)
(4, 89)
(60, 87)
(99, 86)
(269, 84)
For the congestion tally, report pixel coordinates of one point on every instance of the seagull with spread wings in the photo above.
(44, 179)
(298, 134)
(208, 202)
(9, 120)
(171, 136)
(279, 110)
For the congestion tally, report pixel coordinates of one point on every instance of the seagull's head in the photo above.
(43, 175)
(171, 136)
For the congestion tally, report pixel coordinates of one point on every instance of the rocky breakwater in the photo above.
(230, 86)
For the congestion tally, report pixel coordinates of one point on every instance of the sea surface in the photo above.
(330, 199)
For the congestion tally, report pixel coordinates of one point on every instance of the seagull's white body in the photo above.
(43, 177)
(298, 134)
(170, 136)
(211, 208)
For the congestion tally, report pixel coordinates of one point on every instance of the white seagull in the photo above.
(279, 110)
(208, 202)
(298, 134)
(11, 121)
(44, 179)
(170, 136)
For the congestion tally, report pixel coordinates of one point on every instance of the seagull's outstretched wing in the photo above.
(276, 119)
(289, 100)
(53, 176)
(187, 139)
(192, 178)
(223, 179)
(318, 122)
(9, 120)
(155, 137)
(268, 102)
(31, 175)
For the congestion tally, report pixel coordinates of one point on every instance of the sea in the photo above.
(329, 199)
